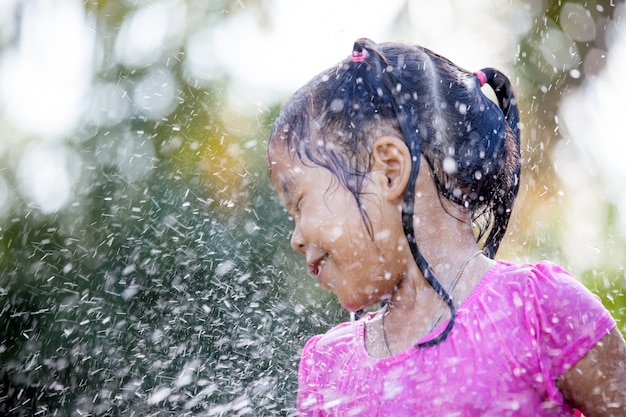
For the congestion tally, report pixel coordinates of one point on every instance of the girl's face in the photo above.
(330, 232)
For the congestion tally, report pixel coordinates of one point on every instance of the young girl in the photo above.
(393, 165)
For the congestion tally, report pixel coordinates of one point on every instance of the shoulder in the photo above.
(525, 271)
(325, 353)
(556, 306)
(561, 318)
(531, 279)
(338, 338)
(545, 297)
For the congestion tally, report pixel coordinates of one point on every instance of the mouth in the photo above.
(317, 266)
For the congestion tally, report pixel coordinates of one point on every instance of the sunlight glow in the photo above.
(44, 79)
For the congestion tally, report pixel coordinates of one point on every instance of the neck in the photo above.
(445, 238)
(449, 246)
(449, 268)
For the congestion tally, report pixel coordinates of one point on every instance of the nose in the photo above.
(297, 240)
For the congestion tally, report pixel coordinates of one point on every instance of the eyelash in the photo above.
(296, 207)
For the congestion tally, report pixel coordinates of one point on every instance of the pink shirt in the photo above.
(520, 329)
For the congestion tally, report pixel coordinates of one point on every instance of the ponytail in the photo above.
(509, 178)
(504, 93)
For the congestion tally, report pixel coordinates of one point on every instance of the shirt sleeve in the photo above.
(565, 320)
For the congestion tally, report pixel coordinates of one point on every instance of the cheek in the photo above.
(383, 235)
(371, 291)
(344, 231)
(335, 233)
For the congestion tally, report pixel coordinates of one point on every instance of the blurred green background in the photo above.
(145, 266)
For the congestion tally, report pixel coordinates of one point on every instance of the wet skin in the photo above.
(330, 232)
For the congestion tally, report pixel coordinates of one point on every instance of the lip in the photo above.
(317, 266)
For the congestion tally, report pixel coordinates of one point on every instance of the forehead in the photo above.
(285, 169)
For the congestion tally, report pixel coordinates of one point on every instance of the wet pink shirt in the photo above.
(520, 329)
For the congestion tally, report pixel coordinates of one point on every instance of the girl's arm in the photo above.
(596, 385)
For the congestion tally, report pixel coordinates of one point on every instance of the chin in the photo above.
(352, 306)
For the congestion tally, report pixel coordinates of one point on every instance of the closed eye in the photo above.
(292, 208)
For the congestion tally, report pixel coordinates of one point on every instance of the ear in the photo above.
(392, 165)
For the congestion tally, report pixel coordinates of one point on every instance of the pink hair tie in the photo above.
(358, 56)
(481, 77)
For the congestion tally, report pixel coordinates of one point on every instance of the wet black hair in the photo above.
(471, 144)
